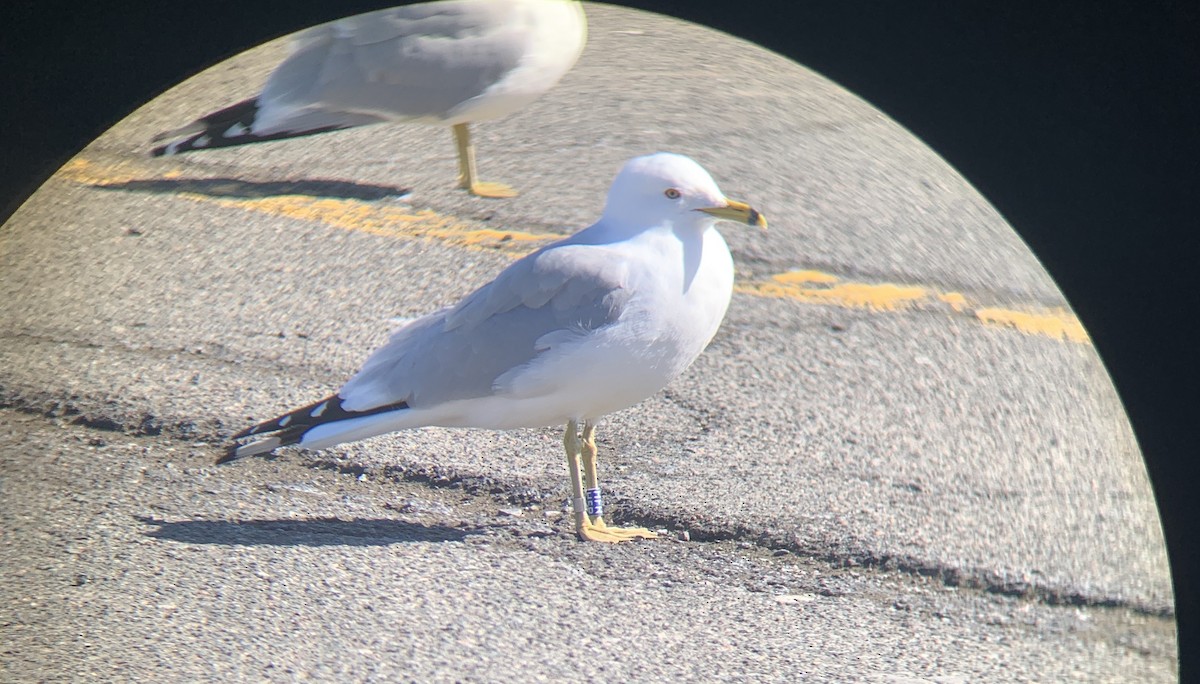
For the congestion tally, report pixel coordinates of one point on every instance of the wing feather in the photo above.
(432, 57)
(550, 297)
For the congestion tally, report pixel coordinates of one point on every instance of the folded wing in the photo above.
(552, 297)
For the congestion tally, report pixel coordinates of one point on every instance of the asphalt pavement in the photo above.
(900, 460)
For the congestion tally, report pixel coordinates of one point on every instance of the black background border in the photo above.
(1076, 119)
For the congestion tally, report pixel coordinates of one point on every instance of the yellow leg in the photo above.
(592, 527)
(468, 179)
(578, 507)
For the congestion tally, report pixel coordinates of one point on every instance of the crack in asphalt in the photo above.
(74, 409)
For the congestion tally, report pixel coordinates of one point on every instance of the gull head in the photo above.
(665, 188)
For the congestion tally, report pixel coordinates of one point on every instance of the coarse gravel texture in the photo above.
(138, 560)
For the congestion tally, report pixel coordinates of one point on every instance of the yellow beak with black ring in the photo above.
(738, 211)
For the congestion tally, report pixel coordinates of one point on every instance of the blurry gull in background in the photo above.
(452, 63)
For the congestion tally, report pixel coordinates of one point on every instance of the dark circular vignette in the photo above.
(1075, 119)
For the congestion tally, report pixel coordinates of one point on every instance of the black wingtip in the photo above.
(290, 428)
(266, 426)
(233, 126)
(222, 128)
(281, 431)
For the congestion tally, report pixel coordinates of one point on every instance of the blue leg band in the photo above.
(595, 505)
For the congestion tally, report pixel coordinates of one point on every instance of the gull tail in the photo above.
(293, 427)
(246, 122)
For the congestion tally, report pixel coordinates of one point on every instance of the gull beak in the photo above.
(738, 211)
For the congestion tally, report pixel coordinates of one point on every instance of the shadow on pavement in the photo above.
(310, 532)
(243, 189)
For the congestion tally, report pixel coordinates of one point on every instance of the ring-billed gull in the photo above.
(452, 63)
(576, 330)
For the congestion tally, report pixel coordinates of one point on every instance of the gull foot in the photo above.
(492, 190)
(599, 531)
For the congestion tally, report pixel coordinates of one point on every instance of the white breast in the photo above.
(666, 325)
(557, 32)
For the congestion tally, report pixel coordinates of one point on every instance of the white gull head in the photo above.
(671, 189)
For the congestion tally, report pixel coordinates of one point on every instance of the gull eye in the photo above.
(672, 193)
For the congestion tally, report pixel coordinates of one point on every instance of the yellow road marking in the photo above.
(817, 287)
(394, 222)
(1057, 323)
(954, 299)
(797, 277)
(346, 214)
(882, 297)
(90, 173)
(803, 285)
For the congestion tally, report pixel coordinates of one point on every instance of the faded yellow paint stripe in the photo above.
(817, 287)
(882, 297)
(386, 221)
(955, 299)
(346, 214)
(803, 276)
(82, 170)
(1056, 323)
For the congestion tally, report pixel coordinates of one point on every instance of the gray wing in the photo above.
(550, 297)
(412, 62)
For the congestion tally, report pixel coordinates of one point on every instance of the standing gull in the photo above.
(578, 329)
(451, 63)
